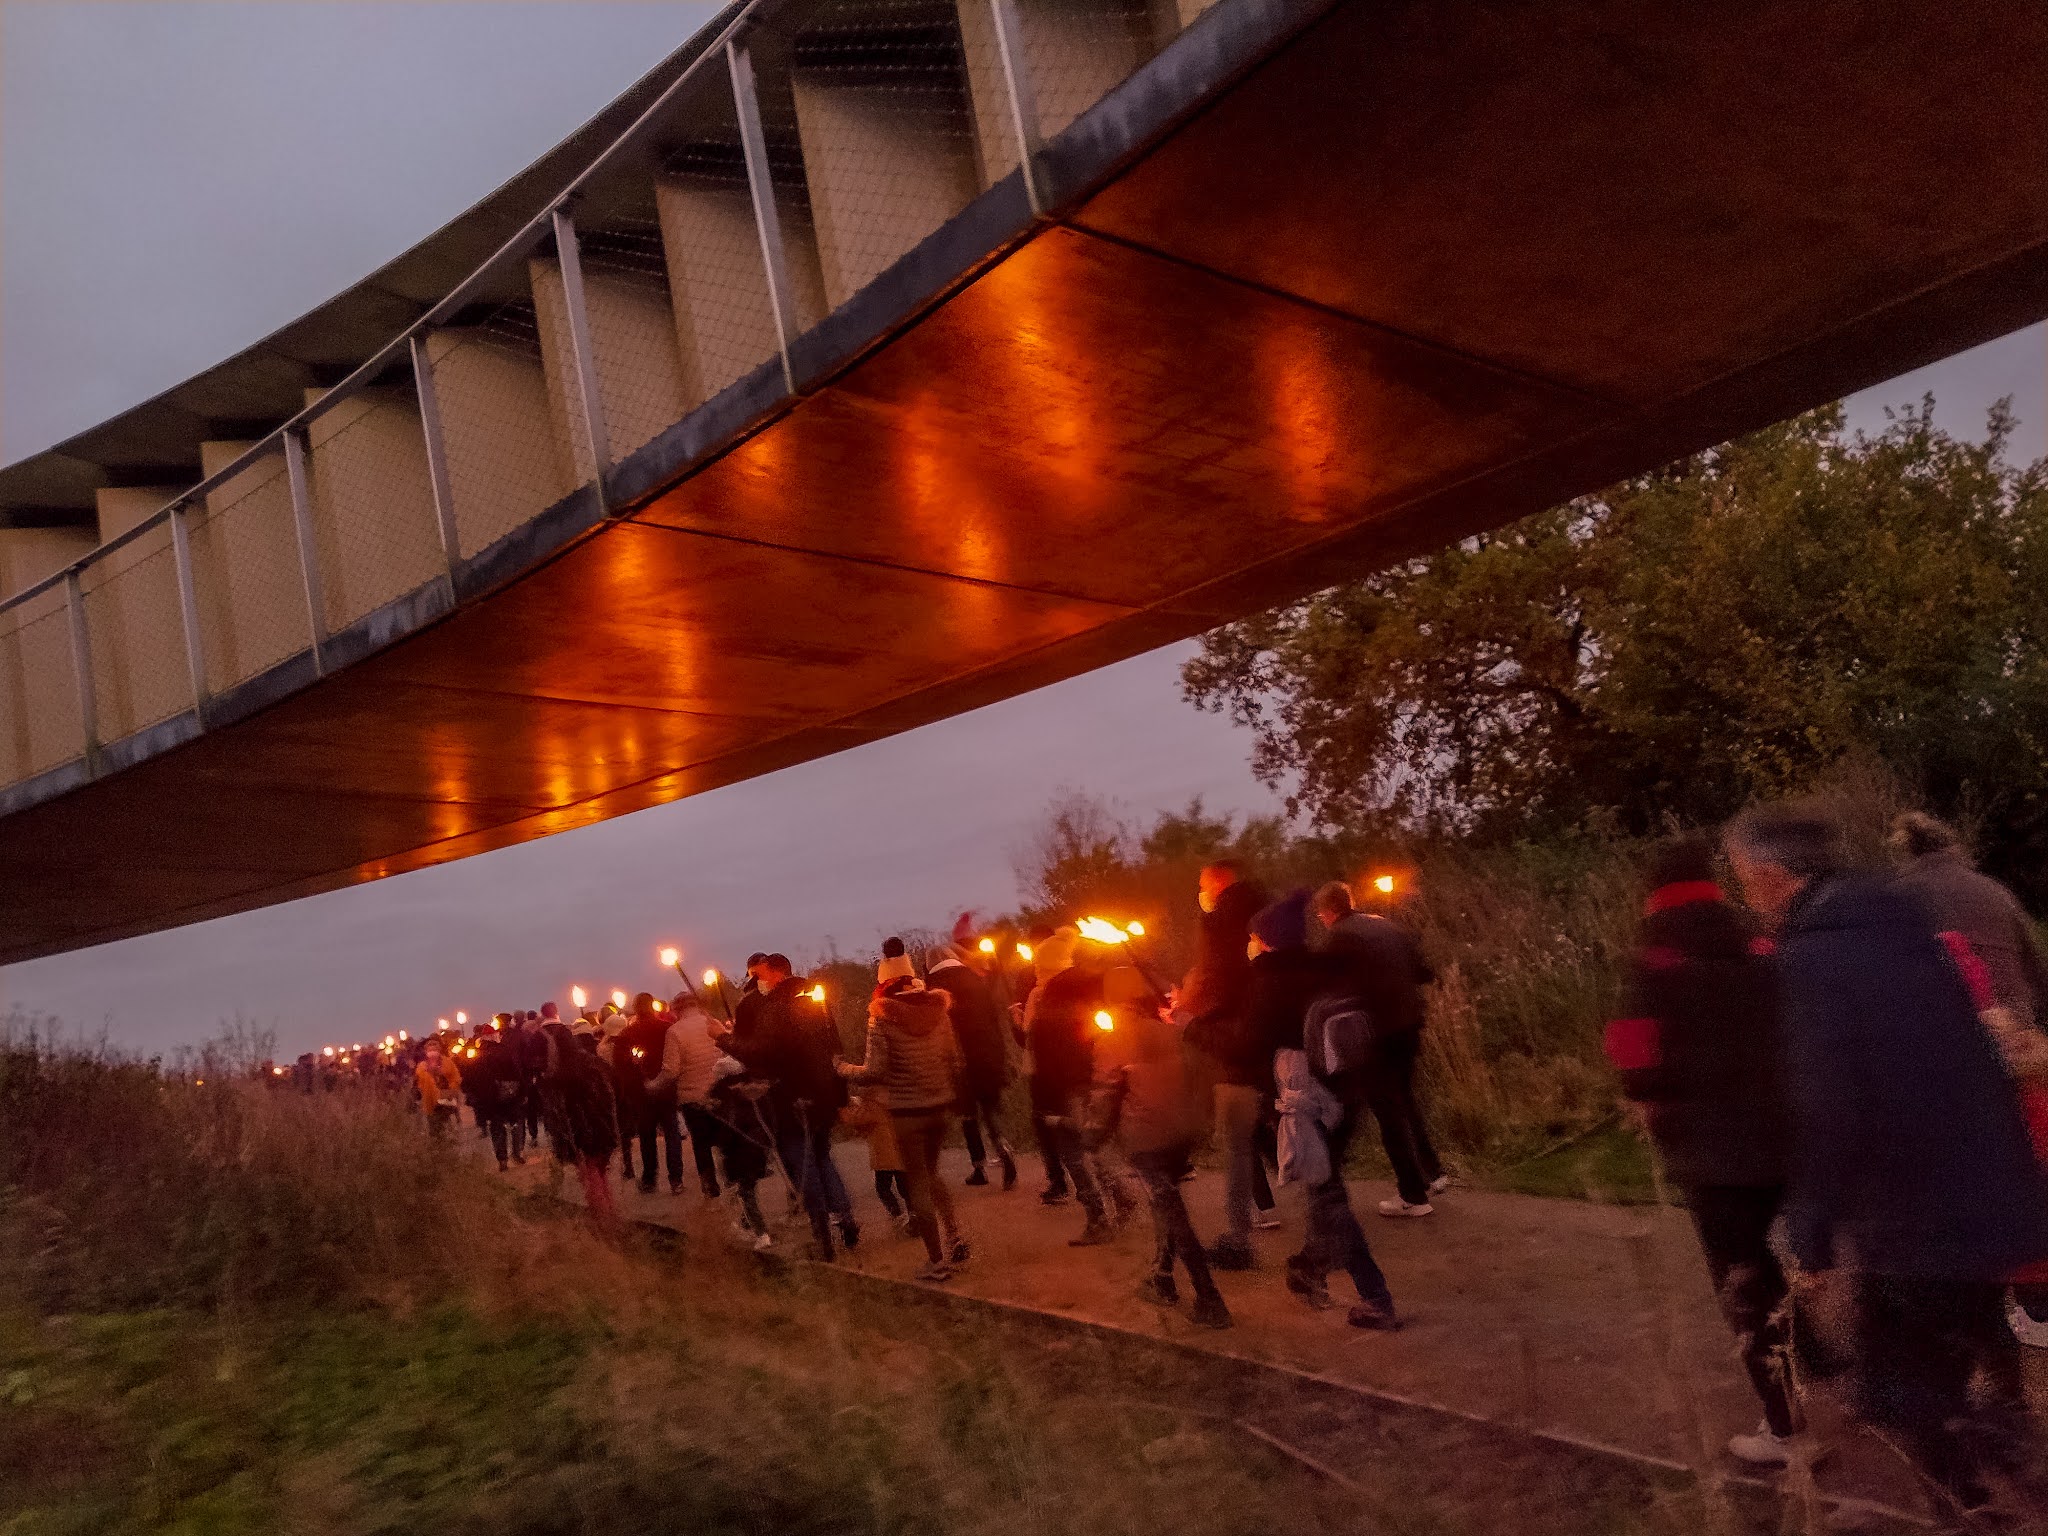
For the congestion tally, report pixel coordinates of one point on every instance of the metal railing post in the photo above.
(437, 455)
(188, 602)
(1023, 100)
(570, 257)
(81, 671)
(761, 188)
(309, 554)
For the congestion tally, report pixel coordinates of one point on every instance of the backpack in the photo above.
(1337, 1036)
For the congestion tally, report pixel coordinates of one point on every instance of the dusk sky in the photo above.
(177, 180)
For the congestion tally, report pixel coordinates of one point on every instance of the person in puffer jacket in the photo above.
(1699, 1051)
(1145, 1097)
(914, 1059)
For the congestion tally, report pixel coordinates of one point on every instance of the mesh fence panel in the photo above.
(135, 627)
(1077, 51)
(506, 440)
(246, 578)
(640, 373)
(40, 725)
(879, 103)
(725, 323)
(373, 505)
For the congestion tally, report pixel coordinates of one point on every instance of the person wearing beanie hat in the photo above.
(912, 1055)
(979, 1027)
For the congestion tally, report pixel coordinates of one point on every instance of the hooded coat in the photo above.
(1910, 1156)
(911, 1053)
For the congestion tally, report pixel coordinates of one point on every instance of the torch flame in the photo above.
(461, 1017)
(987, 946)
(1384, 884)
(1104, 1020)
(711, 977)
(402, 1035)
(579, 997)
(669, 955)
(1135, 930)
(326, 1050)
(1024, 953)
(619, 997)
(817, 993)
(442, 1025)
(1101, 931)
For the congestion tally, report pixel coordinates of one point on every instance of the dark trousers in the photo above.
(704, 1131)
(807, 1157)
(1918, 1342)
(1734, 1224)
(508, 1127)
(533, 1113)
(892, 1189)
(1061, 1134)
(1390, 1094)
(1335, 1240)
(984, 1109)
(659, 1119)
(1160, 1171)
(1049, 1153)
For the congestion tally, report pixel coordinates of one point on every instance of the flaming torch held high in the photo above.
(1103, 931)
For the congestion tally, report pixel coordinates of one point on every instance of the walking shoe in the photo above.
(519, 1158)
(1093, 1235)
(676, 1189)
(1210, 1312)
(1051, 1195)
(934, 1272)
(710, 1187)
(763, 1242)
(903, 1221)
(503, 1166)
(1440, 1183)
(1375, 1315)
(1761, 1448)
(1399, 1207)
(1265, 1221)
(977, 1179)
(849, 1233)
(1009, 1173)
(1310, 1289)
(1159, 1290)
(1229, 1255)
(2028, 1329)
(958, 1253)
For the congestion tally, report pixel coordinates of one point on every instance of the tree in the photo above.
(1729, 627)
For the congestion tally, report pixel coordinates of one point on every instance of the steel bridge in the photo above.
(871, 360)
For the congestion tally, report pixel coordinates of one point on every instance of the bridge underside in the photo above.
(1423, 270)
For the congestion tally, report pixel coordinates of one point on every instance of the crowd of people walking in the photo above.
(1844, 1075)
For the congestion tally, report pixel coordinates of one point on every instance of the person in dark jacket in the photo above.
(1909, 1154)
(1381, 965)
(1058, 1021)
(497, 1091)
(644, 1044)
(1215, 1001)
(983, 1036)
(1937, 873)
(791, 1042)
(1699, 1050)
(581, 1120)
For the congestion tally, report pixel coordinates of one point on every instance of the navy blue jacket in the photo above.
(1910, 1156)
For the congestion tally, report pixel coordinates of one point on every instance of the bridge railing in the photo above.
(808, 148)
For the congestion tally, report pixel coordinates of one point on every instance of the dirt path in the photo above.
(1584, 1321)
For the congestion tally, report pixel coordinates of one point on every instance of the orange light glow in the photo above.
(579, 997)
(987, 946)
(1135, 930)
(1101, 930)
(618, 997)
(461, 1017)
(1104, 1019)
(1024, 953)
(711, 978)
(1384, 884)
(669, 955)
(817, 993)
(403, 1036)
(327, 1050)
(441, 1025)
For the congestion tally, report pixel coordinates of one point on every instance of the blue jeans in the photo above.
(807, 1157)
(1335, 1239)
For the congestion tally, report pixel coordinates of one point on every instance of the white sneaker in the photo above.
(1440, 1183)
(1265, 1221)
(1761, 1448)
(1399, 1207)
(2030, 1333)
(763, 1243)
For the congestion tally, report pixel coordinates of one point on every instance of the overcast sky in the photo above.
(178, 179)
